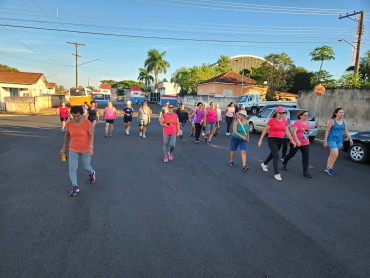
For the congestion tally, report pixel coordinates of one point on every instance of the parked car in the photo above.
(258, 123)
(359, 151)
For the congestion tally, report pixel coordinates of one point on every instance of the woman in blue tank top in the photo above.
(334, 138)
(240, 137)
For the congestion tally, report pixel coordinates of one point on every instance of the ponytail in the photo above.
(336, 112)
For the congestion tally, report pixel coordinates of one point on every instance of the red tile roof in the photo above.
(103, 86)
(230, 77)
(53, 85)
(20, 77)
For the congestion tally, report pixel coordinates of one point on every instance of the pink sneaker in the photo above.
(170, 156)
(165, 160)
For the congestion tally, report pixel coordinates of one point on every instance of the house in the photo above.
(22, 84)
(229, 84)
(52, 88)
(105, 89)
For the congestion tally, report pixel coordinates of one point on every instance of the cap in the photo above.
(129, 102)
(280, 109)
(243, 112)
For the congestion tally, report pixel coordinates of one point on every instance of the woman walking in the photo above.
(171, 127)
(210, 121)
(81, 146)
(229, 115)
(143, 118)
(286, 139)
(198, 118)
(334, 138)
(63, 112)
(110, 113)
(240, 137)
(192, 120)
(93, 114)
(276, 127)
(202, 123)
(183, 117)
(85, 107)
(219, 119)
(301, 131)
(127, 118)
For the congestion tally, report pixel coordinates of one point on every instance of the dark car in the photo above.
(272, 106)
(359, 151)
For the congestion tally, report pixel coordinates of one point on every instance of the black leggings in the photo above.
(305, 150)
(285, 147)
(197, 131)
(229, 120)
(275, 146)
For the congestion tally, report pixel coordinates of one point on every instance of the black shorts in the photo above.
(127, 119)
(63, 119)
(109, 121)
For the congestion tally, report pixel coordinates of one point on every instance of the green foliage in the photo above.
(90, 87)
(299, 79)
(155, 63)
(324, 53)
(127, 84)
(324, 78)
(145, 76)
(108, 82)
(353, 81)
(7, 68)
(223, 65)
(281, 61)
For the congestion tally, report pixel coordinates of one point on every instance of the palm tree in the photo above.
(145, 76)
(155, 63)
(364, 67)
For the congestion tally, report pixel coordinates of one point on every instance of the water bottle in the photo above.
(64, 157)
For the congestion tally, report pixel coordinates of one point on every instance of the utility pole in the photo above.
(360, 31)
(241, 93)
(77, 45)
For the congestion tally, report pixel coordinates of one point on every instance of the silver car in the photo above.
(258, 123)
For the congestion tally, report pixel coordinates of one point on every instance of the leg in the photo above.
(232, 154)
(166, 144)
(144, 130)
(305, 150)
(172, 142)
(86, 159)
(111, 128)
(192, 128)
(332, 158)
(106, 128)
(228, 122)
(285, 147)
(244, 157)
(197, 131)
(63, 125)
(73, 166)
(128, 126)
(292, 152)
(275, 145)
(210, 135)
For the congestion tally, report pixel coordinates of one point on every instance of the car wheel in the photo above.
(251, 127)
(311, 138)
(254, 110)
(358, 152)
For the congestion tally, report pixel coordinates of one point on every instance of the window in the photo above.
(13, 92)
(201, 91)
(266, 113)
(228, 92)
(294, 113)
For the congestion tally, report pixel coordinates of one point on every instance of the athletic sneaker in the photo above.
(329, 171)
(284, 167)
(127, 131)
(205, 139)
(333, 172)
(106, 135)
(197, 142)
(165, 160)
(231, 164)
(245, 168)
(191, 135)
(170, 156)
(144, 136)
(141, 133)
(209, 142)
(110, 135)
(92, 178)
(278, 177)
(264, 167)
(307, 175)
(75, 191)
(203, 134)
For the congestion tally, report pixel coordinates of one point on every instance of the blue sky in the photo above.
(239, 27)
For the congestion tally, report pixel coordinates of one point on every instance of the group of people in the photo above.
(81, 132)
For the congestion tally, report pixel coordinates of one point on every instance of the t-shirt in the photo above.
(199, 115)
(164, 110)
(303, 132)
(63, 111)
(172, 120)
(230, 111)
(211, 115)
(240, 130)
(92, 114)
(128, 110)
(183, 115)
(277, 127)
(80, 137)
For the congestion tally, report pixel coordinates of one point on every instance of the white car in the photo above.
(258, 123)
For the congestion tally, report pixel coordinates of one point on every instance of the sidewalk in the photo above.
(42, 112)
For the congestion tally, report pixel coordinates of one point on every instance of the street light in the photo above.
(341, 40)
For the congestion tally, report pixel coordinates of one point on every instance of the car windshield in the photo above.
(294, 113)
(77, 92)
(244, 98)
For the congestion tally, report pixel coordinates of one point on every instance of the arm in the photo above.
(58, 112)
(104, 113)
(330, 124)
(115, 113)
(287, 133)
(138, 115)
(97, 114)
(294, 132)
(347, 133)
(205, 118)
(267, 128)
(91, 148)
(148, 112)
(161, 121)
(248, 132)
(65, 142)
(179, 131)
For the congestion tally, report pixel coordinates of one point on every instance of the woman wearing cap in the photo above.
(301, 131)
(240, 137)
(276, 127)
(210, 121)
(229, 115)
(127, 118)
(198, 118)
(171, 127)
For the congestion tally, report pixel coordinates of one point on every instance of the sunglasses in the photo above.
(282, 112)
(171, 107)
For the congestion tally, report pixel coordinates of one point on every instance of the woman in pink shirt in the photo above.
(301, 131)
(110, 113)
(63, 112)
(276, 127)
(171, 127)
(210, 122)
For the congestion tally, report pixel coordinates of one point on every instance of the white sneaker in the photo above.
(264, 167)
(126, 131)
(278, 177)
(144, 136)
(141, 133)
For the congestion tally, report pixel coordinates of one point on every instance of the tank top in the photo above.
(172, 120)
(211, 115)
(230, 111)
(143, 114)
(92, 114)
(240, 130)
(109, 114)
(336, 132)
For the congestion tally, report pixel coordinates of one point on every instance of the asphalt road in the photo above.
(192, 217)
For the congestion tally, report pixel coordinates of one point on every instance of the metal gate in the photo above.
(2, 106)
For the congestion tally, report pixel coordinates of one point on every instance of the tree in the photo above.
(281, 61)
(324, 53)
(91, 87)
(155, 63)
(164, 80)
(364, 67)
(127, 84)
(108, 82)
(145, 76)
(325, 78)
(7, 68)
(299, 79)
(223, 64)
(352, 81)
